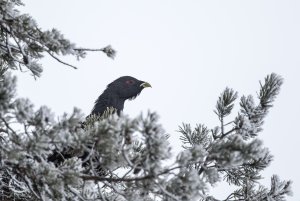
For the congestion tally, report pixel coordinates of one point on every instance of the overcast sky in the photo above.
(189, 51)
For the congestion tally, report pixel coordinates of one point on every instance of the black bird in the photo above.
(117, 92)
(114, 95)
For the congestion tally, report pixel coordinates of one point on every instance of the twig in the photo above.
(8, 126)
(227, 133)
(222, 125)
(228, 123)
(97, 178)
(60, 61)
(229, 196)
(25, 58)
(150, 176)
(115, 189)
(167, 193)
(90, 50)
(8, 46)
(28, 183)
(126, 157)
(108, 50)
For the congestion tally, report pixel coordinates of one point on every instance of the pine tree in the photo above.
(114, 168)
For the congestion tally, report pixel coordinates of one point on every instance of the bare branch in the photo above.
(60, 61)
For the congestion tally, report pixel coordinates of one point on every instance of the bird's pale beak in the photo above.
(145, 84)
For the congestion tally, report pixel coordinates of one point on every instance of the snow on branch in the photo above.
(23, 43)
(230, 149)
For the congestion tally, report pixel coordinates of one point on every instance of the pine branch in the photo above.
(24, 42)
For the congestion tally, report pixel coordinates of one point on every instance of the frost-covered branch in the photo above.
(23, 43)
(230, 150)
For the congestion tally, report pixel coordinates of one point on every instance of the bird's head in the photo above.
(127, 87)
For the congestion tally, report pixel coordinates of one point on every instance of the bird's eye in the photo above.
(129, 81)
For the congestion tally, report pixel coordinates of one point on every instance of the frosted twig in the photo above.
(60, 61)
(28, 183)
(108, 50)
(166, 192)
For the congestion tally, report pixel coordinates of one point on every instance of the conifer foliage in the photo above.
(115, 168)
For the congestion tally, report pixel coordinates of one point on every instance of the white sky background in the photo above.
(189, 51)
